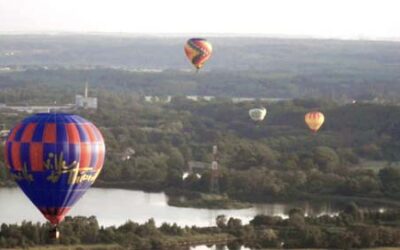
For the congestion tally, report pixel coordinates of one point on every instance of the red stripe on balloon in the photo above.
(36, 156)
(50, 133)
(72, 133)
(89, 131)
(86, 153)
(16, 156)
(28, 132)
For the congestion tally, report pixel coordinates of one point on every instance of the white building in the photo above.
(200, 98)
(243, 99)
(39, 109)
(85, 101)
(158, 99)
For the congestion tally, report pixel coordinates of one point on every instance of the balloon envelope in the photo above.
(54, 158)
(198, 51)
(257, 114)
(314, 120)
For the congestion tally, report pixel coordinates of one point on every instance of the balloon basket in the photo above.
(54, 233)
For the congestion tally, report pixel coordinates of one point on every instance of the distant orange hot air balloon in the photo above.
(314, 120)
(198, 51)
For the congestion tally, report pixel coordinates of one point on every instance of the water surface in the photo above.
(116, 206)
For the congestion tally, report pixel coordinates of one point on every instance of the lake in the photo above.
(116, 206)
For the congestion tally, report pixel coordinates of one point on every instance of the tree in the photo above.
(175, 159)
(221, 221)
(326, 158)
(234, 226)
(296, 217)
(353, 212)
(390, 179)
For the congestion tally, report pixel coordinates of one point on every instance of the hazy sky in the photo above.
(318, 18)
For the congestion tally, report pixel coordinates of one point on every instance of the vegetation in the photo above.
(352, 228)
(279, 159)
(201, 200)
(249, 67)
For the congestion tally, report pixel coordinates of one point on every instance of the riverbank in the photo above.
(182, 197)
(188, 198)
(191, 199)
(201, 200)
(129, 185)
(362, 201)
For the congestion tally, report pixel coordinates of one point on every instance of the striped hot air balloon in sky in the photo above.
(54, 158)
(198, 51)
(314, 120)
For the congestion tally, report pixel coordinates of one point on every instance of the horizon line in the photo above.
(206, 34)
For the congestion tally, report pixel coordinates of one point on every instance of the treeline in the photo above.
(362, 84)
(352, 228)
(265, 54)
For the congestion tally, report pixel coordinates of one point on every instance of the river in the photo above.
(116, 206)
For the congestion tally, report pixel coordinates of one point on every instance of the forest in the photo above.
(353, 155)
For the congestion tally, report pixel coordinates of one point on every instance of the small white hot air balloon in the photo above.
(258, 114)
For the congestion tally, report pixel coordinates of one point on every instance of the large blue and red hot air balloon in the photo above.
(54, 158)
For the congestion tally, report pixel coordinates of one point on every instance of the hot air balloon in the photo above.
(257, 114)
(198, 51)
(54, 158)
(314, 120)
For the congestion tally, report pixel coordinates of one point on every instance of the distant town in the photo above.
(81, 101)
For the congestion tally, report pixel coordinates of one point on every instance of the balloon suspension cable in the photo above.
(197, 70)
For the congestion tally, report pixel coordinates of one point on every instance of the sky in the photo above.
(347, 19)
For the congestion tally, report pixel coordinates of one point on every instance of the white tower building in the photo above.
(85, 101)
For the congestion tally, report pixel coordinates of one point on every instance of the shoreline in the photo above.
(193, 199)
(303, 197)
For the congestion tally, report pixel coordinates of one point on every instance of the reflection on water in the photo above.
(116, 206)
